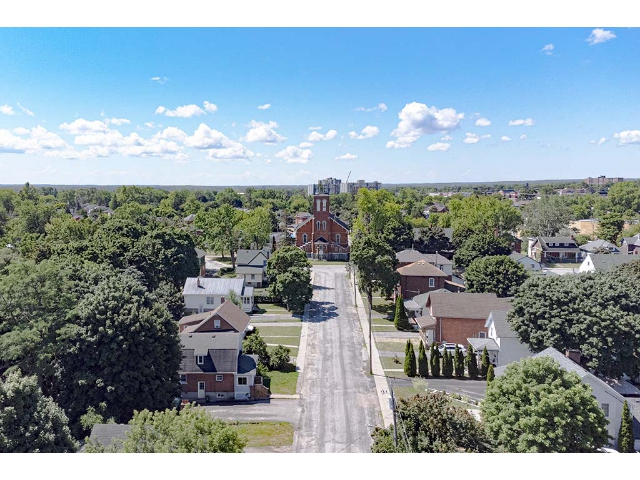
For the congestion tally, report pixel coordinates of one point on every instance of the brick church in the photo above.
(323, 235)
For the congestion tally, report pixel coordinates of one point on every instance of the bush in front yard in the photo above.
(410, 360)
(254, 344)
(447, 365)
(423, 364)
(458, 362)
(280, 357)
(472, 363)
(434, 360)
(400, 319)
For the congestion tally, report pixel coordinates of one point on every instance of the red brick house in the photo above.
(420, 277)
(454, 317)
(213, 367)
(323, 235)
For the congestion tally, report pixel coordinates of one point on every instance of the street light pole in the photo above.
(393, 409)
(370, 339)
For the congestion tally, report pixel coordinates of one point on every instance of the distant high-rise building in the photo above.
(602, 180)
(353, 187)
(332, 186)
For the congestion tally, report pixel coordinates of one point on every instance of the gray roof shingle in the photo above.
(212, 286)
(466, 305)
(106, 434)
(503, 329)
(603, 262)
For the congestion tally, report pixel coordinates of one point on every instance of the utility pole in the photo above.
(370, 337)
(395, 426)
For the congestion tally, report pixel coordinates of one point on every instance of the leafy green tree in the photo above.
(458, 362)
(398, 233)
(289, 273)
(29, 421)
(596, 314)
(432, 240)
(229, 197)
(233, 297)
(254, 344)
(400, 320)
(610, 227)
(256, 228)
(490, 374)
(625, 434)
(472, 363)
(423, 363)
(190, 430)
(496, 274)
(434, 360)
(284, 259)
(383, 441)
(433, 425)
(537, 406)
(483, 214)
(546, 217)
(280, 357)
(221, 229)
(624, 198)
(478, 246)
(484, 362)
(410, 360)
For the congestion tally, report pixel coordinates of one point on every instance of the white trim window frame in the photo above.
(200, 359)
(219, 378)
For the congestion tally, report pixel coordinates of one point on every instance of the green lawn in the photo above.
(259, 320)
(326, 262)
(382, 321)
(419, 385)
(384, 328)
(272, 308)
(265, 434)
(387, 362)
(396, 346)
(270, 349)
(281, 382)
(280, 331)
(282, 340)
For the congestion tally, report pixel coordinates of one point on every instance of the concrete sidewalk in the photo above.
(382, 386)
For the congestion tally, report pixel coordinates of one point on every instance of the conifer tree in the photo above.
(447, 365)
(400, 319)
(423, 364)
(472, 363)
(410, 361)
(484, 363)
(434, 360)
(625, 434)
(458, 362)
(490, 374)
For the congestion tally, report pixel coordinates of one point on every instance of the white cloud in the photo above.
(160, 80)
(316, 136)
(527, 122)
(598, 142)
(598, 35)
(505, 138)
(7, 110)
(306, 145)
(367, 132)
(486, 136)
(347, 156)
(264, 107)
(25, 110)
(381, 107)
(315, 128)
(439, 147)
(628, 137)
(471, 138)
(171, 133)
(417, 119)
(116, 121)
(483, 122)
(150, 124)
(263, 132)
(210, 107)
(293, 154)
(219, 146)
(185, 111)
(21, 131)
(40, 141)
(523, 136)
(82, 127)
(447, 138)
(548, 49)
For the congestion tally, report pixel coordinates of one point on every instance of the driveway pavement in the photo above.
(275, 410)
(339, 407)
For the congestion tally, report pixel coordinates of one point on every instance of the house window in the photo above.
(210, 300)
(432, 282)
(338, 238)
(200, 359)
(242, 380)
(605, 407)
(219, 378)
(200, 385)
(253, 277)
(216, 324)
(318, 225)
(221, 300)
(324, 225)
(324, 205)
(183, 379)
(304, 238)
(482, 335)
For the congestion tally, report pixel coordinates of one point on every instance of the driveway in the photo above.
(339, 406)
(275, 410)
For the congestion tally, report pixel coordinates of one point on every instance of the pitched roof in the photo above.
(516, 257)
(595, 244)
(421, 268)
(229, 311)
(437, 259)
(243, 270)
(247, 364)
(212, 286)
(635, 240)
(566, 240)
(338, 221)
(409, 255)
(479, 344)
(466, 305)
(250, 257)
(202, 342)
(106, 434)
(426, 321)
(603, 262)
(503, 329)
(421, 299)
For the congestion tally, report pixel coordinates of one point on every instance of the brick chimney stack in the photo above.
(573, 355)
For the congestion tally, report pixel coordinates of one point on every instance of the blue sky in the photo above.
(257, 106)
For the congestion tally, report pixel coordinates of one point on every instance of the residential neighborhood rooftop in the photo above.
(421, 268)
(465, 305)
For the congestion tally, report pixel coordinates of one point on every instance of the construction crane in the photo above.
(348, 177)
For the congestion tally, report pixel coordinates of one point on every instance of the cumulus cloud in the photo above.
(447, 138)
(185, 111)
(40, 141)
(598, 35)
(21, 131)
(171, 133)
(217, 144)
(264, 133)
(315, 128)
(7, 110)
(266, 106)
(160, 80)
(367, 132)
(150, 124)
(548, 49)
(293, 154)
(117, 121)
(505, 138)
(523, 136)
(471, 138)
(527, 122)
(439, 147)
(210, 107)
(81, 126)
(25, 110)
(347, 156)
(628, 137)
(483, 122)
(317, 137)
(417, 119)
(598, 142)
(306, 145)
(381, 107)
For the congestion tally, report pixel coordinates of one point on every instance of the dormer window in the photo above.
(216, 324)
(200, 359)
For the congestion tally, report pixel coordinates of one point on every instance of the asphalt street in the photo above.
(338, 404)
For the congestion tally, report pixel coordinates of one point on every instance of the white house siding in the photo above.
(198, 303)
(586, 265)
(606, 395)
(242, 392)
(511, 350)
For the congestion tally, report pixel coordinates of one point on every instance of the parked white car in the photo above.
(451, 348)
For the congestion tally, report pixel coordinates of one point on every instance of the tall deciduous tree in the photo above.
(432, 240)
(29, 421)
(537, 406)
(609, 227)
(546, 217)
(289, 273)
(484, 214)
(496, 274)
(478, 246)
(220, 228)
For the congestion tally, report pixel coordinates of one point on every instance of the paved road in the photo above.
(338, 400)
(276, 410)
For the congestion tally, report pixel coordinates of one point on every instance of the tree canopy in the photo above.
(289, 273)
(537, 406)
(497, 274)
(478, 246)
(546, 217)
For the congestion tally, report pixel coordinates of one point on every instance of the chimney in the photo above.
(198, 282)
(573, 355)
